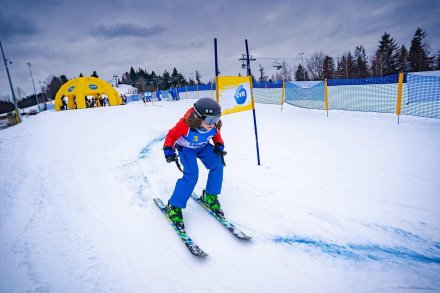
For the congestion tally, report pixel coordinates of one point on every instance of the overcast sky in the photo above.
(73, 37)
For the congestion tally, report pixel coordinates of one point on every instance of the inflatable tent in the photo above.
(78, 88)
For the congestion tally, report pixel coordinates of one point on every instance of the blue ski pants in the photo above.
(186, 184)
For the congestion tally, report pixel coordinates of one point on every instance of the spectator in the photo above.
(64, 100)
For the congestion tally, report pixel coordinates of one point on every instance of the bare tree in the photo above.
(315, 66)
(286, 72)
(20, 93)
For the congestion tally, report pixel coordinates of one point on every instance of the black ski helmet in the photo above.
(207, 107)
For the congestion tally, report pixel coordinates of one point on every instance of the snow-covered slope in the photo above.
(345, 203)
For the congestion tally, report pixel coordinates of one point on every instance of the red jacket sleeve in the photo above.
(180, 129)
(217, 138)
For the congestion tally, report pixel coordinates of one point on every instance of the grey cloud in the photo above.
(13, 27)
(127, 29)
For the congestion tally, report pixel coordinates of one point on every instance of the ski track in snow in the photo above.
(347, 251)
(134, 177)
(362, 252)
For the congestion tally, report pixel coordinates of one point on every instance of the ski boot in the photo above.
(175, 215)
(211, 201)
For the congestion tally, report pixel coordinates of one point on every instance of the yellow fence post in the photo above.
(399, 96)
(283, 95)
(326, 95)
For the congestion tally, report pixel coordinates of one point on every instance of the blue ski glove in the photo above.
(170, 154)
(219, 149)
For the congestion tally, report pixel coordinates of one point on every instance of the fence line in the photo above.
(416, 94)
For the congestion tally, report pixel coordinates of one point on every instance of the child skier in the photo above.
(190, 136)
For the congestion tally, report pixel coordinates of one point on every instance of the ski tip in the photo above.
(195, 250)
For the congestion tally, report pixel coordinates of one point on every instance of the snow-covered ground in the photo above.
(339, 204)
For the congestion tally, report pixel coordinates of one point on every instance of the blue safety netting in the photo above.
(422, 94)
(423, 88)
(373, 94)
(132, 98)
(267, 84)
(306, 94)
(206, 87)
(394, 78)
(164, 94)
(191, 88)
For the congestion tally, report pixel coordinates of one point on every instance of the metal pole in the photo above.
(248, 62)
(215, 54)
(42, 93)
(17, 111)
(217, 98)
(33, 84)
(302, 65)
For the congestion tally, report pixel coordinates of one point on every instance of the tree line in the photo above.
(389, 58)
(145, 81)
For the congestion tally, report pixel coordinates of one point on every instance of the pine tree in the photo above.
(174, 77)
(437, 61)
(132, 76)
(166, 80)
(126, 78)
(155, 79)
(328, 68)
(198, 76)
(403, 63)
(346, 66)
(263, 76)
(301, 74)
(385, 59)
(63, 79)
(360, 63)
(418, 56)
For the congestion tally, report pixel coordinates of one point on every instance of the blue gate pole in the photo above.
(215, 56)
(216, 71)
(253, 104)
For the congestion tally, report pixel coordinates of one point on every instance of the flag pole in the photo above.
(216, 71)
(252, 97)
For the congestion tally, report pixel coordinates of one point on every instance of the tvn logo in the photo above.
(93, 86)
(240, 95)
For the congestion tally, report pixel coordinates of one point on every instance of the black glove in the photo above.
(170, 154)
(219, 149)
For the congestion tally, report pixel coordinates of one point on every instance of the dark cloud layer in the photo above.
(15, 27)
(72, 37)
(127, 30)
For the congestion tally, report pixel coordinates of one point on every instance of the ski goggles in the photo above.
(211, 120)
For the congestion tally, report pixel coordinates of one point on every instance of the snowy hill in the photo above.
(125, 89)
(339, 204)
